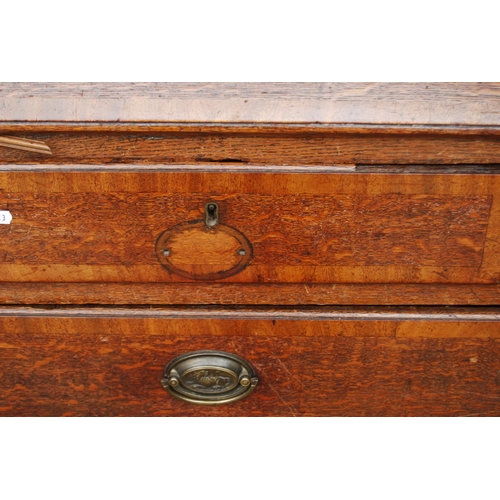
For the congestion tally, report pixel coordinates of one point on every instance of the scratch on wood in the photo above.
(292, 411)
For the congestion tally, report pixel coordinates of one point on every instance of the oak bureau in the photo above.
(249, 249)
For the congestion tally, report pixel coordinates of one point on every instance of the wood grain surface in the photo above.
(304, 228)
(332, 362)
(358, 201)
(256, 148)
(248, 293)
(359, 103)
(116, 229)
(199, 252)
(359, 91)
(267, 321)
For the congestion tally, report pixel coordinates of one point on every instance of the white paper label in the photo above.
(5, 217)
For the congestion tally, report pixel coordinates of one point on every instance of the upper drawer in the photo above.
(267, 227)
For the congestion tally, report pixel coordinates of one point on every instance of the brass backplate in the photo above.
(209, 377)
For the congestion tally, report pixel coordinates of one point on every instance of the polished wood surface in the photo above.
(326, 227)
(310, 362)
(247, 293)
(371, 216)
(355, 103)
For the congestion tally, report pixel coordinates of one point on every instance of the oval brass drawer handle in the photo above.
(209, 377)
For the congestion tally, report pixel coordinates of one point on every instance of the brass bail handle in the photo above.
(211, 214)
(209, 377)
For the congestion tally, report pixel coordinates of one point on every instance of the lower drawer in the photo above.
(316, 361)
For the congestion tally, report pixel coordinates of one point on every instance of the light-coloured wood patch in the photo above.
(198, 252)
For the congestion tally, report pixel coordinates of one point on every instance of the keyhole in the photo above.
(211, 214)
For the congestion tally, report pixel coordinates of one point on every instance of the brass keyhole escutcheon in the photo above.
(211, 214)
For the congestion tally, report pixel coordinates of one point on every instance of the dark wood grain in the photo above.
(119, 229)
(304, 228)
(365, 103)
(107, 375)
(271, 148)
(393, 377)
(98, 364)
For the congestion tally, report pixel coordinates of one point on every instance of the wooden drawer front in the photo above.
(319, 361)
(379, 228)
(311, 147)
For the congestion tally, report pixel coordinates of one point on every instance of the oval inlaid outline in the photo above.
(162, 244)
